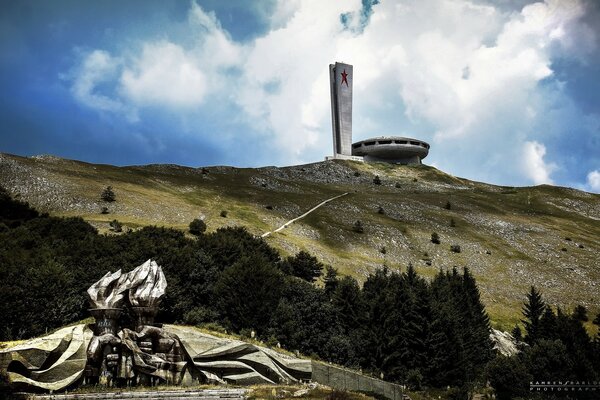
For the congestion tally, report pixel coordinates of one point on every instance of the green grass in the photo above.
(522, 228)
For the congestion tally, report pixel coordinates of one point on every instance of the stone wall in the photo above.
(344, 379)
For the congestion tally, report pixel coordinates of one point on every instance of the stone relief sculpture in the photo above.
(136, 351)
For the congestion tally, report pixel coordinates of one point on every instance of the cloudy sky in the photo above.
(505, 91)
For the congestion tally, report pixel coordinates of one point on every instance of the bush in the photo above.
(580, 313)
(357, 174)
(398, 185)
(223, 213)
(104, 210)
(455, 248)
(303, 266)
(197, 227)
(452, 223)
(377, 180)
(448, 205)
(381, 211)
(414, 379)
(435, 238)
(116, 226)
(509, 377)
(108, 194)
(383, 250)
(358, 227)
(199, 315)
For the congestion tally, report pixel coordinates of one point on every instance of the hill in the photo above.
(509, 237)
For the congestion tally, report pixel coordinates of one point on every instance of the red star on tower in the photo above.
(344, 78)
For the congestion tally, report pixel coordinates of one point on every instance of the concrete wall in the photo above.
(344, 379)
(340, 79)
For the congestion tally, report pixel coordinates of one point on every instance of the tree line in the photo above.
(398, 325)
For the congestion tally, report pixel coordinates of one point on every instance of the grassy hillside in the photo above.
(511, 238)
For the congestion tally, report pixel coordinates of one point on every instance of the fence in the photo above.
(343, 379)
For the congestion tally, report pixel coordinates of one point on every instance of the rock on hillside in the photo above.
(509, 237)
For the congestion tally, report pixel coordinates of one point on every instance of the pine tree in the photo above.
(305, 266)
(477, 332)
(108, 194)
(330, 279)
(548, 325)
(533, 310)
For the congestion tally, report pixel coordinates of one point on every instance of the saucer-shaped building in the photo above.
(391, 149)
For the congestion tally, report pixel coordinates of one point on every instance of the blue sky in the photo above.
(505, 91)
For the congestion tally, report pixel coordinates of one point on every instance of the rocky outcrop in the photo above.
(504, 343)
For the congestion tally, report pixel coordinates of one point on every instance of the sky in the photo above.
(506, 91)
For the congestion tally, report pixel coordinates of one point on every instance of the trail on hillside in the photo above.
(291, 221)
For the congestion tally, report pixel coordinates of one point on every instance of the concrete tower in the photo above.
(340, 80)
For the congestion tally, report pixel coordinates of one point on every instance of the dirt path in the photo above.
(291, 221)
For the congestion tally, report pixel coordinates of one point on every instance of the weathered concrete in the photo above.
(393, 149)
(155, 394)
(340, 80)
(345, 379)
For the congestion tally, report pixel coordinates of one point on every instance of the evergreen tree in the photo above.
(330, 279)
(532, 311)
(548, 325)
(580, 313)
(197, 227)
(517, 334)
(248, 291)
(108, 194)
(305, 266)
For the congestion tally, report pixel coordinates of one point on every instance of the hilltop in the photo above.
(509, 237)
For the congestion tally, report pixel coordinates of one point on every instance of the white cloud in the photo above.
(97, 67)
(534, 166)
(164, 75)
(593, 181)
(463, 75)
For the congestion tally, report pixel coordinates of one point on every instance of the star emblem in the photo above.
(344, 78)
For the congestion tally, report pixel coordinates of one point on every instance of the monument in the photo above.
(391, 149)
(125, 347)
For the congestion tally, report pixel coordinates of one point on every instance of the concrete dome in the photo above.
(400, 150)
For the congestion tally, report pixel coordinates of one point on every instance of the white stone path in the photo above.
(291, 221)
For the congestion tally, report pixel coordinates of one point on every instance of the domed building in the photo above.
(392, 149)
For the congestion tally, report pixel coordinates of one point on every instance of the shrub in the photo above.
(383, 250)
(448, 205)
(435, 238)
(197, 227)
(509, 377)
(455, 248)
(377, 180)
(357, 174)
(414, 379)
(116, 226)
(358, 227)
(269, 207)
(223, 213)
(381, 211)
(398, 185)
(452, 223)
(104, 210)
(580, 313)
(108, 194)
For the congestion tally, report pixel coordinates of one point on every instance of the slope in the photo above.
(509, 237)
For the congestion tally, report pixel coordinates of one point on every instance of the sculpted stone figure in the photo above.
(109, 352)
